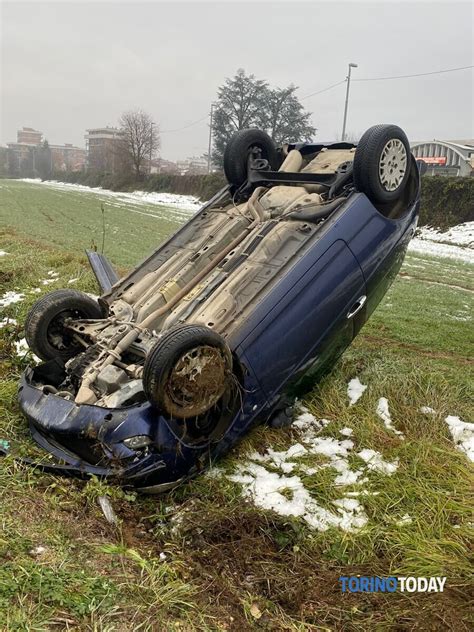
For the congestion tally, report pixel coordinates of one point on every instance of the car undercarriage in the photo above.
(174, 342)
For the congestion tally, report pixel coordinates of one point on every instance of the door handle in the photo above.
(358, 305)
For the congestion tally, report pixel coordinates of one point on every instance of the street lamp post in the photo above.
(348, 78)
(209, 151)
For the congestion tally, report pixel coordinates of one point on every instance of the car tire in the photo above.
(382, 163)
(44, 332)
(239, 149)
(174, 382)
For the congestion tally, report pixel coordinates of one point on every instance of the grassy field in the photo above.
(205, 557)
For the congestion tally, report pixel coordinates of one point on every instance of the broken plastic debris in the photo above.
(108, 510)
(4, 444)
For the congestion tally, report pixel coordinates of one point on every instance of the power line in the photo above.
(419, 74)
(313, 94)
(178, 129)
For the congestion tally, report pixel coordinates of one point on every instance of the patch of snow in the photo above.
(35, 290)
(7, 321)
(3, 253)
(22, 349)
(347, 432)
(405, 519)
(463, 435)
(49, 281)
(427, 410)
(376, 463)
(11, 297)
(384, 414)
(38, 550)
(173, 200)
(287, 496)
(163, 556)
(284, 492)
(52, 273)
(73, 280)
(460, 235)
(436, 249)
(355, 390)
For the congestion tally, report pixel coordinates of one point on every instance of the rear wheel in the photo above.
(44, 328)
(382, 163)
(242, 147)
(188, 371)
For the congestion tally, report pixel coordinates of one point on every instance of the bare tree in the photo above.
(140, 139)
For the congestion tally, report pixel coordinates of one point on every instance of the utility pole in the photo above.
(151, 146)
(209, 149)
(348, 79)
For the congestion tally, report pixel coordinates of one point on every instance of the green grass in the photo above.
(74, 220)
(229, 565)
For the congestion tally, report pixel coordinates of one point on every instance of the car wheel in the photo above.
(382, 163)
(243, 145)
(44, 327)
(187, 371)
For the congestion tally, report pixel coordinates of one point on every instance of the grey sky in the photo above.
(73, 65)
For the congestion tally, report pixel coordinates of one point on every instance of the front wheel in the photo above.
(382, 163)
(187, 371)
(44, 327)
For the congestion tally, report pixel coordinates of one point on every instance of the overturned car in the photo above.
(238, 312)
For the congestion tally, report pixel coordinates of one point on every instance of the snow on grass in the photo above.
(287, 496)
(22, 349)
(3, 253)
(460, 235)
(463, 435)
(455, 243)
(384, 414)
(427, 410)
(9, 298)
(404, 520)
(355, 390)
(186, 203)
(284, 491)
(7, 321)
(436, 249)
(376, 463)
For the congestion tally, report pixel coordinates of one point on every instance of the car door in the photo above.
(311, 324)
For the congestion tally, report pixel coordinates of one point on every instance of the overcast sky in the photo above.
(73, 65)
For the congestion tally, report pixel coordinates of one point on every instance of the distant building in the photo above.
(160, 165)
(102, 148)
(192, 166)
(22, 155)
(29, 136)
(67, 157)
(446, 157)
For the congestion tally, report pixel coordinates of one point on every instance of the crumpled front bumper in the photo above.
(90, 440)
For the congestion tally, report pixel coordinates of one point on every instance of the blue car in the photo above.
(236, 314)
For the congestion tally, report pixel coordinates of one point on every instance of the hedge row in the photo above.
(445, 201)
